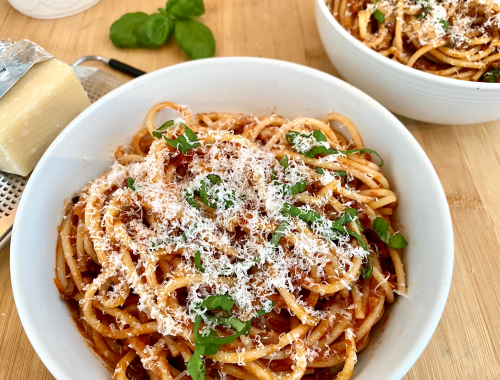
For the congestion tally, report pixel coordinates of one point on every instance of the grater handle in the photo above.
(124, 68)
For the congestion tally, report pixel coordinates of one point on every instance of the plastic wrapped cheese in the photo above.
(35, 110)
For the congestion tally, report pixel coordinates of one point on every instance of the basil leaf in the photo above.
(155, 30)
(381, 228)
(214, 178)
(204, 195)
(299, 187)
(492, 75)
(366, 272)
(278, 234)
(317, 150)
(185, 9)
(378, 16)
(320, 137)
(310, 216)
(184, 142)
(284, 161)
(195, 39)
(195, 366)
(272, 175)
(364, 150)
(425, 10)
(189, 197)
(340, 173)
(209, 343)
(158, 132)
(197, 261)
(262, 312)
(445, 24)
(305, 215)
(223, 302)
(358, 238)
(211, 200)
(130, 183)
(123, 32)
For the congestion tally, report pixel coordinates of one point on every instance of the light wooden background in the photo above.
(466, 344)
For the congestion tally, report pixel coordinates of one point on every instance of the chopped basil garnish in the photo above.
(197, 261)
(158, 132)
(130, 183)
(321, 149)
(284, 161)
(366, 272)
(278, 234)
(184, 142)
(445, 24)
(492, 75)
(209, 198)
(340, 173)
(378, 16)
(381, 228)
(209, 343)
(189, 197)
(336, 226)
(425, 10)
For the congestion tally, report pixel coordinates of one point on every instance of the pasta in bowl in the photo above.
(271, 235)
(434, 61)
(275, 219)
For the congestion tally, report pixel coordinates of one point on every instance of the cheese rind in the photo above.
(34, 111)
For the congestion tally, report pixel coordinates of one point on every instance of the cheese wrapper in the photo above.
(39, 96)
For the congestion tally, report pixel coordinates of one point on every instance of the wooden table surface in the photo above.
(466, 344)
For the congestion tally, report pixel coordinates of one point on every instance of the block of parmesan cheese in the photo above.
(34, 111)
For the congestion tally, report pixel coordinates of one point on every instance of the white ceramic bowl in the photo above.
(51, 9)
(254, 86)
(403, 90)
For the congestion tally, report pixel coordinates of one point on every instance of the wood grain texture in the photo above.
(467, 159)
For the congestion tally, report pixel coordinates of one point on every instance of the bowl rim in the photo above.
(29, 322)
(422, 75)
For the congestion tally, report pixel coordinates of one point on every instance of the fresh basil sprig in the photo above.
(136, 30)
(366, 271)
(320, 137)
(209, 343)
(336, 226)
(381, 228)
(492, 76)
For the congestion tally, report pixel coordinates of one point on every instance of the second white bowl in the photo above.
(403, 90)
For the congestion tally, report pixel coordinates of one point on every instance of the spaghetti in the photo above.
(451, 38)
(225, 246)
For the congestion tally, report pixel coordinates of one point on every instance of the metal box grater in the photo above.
(96, 83)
